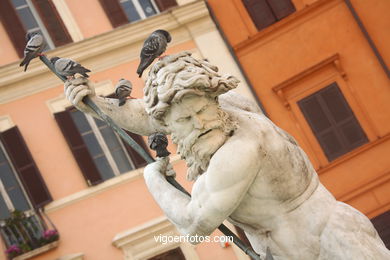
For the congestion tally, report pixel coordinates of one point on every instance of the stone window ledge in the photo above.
(37, 251)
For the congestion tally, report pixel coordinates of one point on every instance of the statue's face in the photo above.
(199, 128)
(194, 115)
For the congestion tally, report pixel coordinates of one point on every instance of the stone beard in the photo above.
(197, 148)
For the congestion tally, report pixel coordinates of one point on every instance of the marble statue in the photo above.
(245, 169)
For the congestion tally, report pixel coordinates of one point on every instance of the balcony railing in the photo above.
(24, 232)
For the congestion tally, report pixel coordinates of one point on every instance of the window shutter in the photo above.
(135, 157)
(332, 121)
(78, 147)
(382, 225)
(260, 12)
(53, 23)
(13, 26)
(114, 12)
(26, 168)
(281, 8)
(165, 4)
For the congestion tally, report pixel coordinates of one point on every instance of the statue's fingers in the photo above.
(81, 94)
(75, 91)
(68, 89)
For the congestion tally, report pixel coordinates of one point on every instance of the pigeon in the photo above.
(153, 47)
(159, 142)
(33, 49)
(68, 68)
(123, 90)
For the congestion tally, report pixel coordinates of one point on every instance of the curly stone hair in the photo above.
(175, 76)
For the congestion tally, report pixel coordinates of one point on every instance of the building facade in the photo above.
(320, 69)
(70, 188)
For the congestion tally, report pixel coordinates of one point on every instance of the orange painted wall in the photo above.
(288, 48)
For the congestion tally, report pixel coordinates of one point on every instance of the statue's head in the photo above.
(181, 94)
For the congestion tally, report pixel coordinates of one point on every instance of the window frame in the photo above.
(309, 81)
(335, 126)
(139, 9)
(104, 146)
(3, 191)
(269, 9)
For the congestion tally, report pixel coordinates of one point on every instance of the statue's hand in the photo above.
(76, 89)
(161, 166)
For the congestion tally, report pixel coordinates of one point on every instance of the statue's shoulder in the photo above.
(233, 100)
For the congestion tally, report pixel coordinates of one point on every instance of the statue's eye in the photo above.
(183, 119)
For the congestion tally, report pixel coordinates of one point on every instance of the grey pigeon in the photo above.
(123, 90)
(34, 47)
(153, 47)
(68, 68)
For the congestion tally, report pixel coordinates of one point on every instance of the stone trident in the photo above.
(161, 152)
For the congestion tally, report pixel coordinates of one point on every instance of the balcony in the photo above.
(27, 234)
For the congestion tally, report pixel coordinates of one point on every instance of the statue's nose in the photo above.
(198, 123)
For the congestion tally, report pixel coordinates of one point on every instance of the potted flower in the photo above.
(50, 235)
(13, 251)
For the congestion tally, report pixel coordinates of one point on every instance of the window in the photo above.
(99, 151)
(12, 195)
(267, 12)
(121, 12)
(22, 16)
(174, 254)
(21, 185)
(332, 121)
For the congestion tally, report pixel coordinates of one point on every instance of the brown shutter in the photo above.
(53, 23)
(135, 157)
(260, 12)
(114, 12)
(165, 4)
(26, 168)
(13, 26)
(332, 121)
(281, 8)
(78, 147)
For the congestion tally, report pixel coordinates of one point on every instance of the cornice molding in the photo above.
(106, 50)
(281, 88)
(139, 242)
(6, 123)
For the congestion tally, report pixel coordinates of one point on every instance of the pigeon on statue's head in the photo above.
(35, 45)
(153, 47)
(68, 68)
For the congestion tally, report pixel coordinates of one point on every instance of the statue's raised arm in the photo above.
(132, 116)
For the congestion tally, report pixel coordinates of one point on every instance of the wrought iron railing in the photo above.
(26, 231)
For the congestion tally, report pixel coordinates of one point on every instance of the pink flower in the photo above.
(49, 233)
(13, 249)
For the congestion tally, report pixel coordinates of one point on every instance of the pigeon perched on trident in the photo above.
(123, 90)
(35, 45)
(68, 68)
(153, 47)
